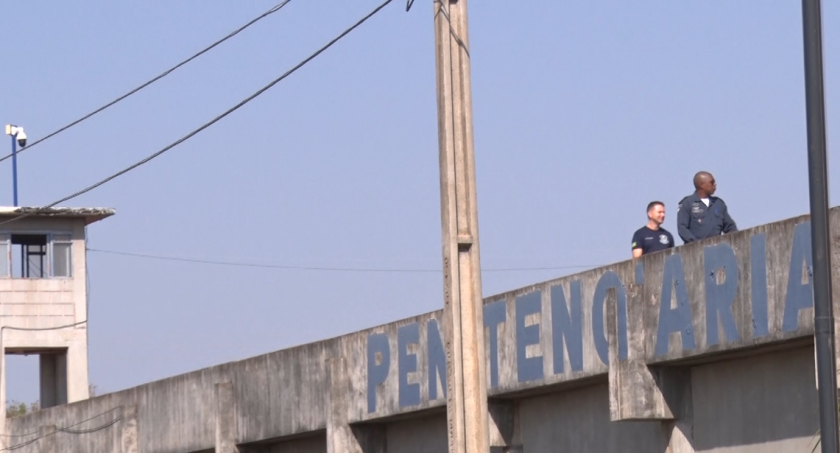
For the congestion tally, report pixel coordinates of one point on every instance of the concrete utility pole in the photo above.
(466, 405)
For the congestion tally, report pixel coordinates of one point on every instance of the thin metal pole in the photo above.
(14, 168)
(818, 188)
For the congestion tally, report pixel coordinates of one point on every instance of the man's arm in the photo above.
(728, 224)
(683, 218)
(637, 245)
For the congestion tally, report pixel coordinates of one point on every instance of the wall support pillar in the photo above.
(47, 441)
(225, 418)
(129, 429)
(639, 392)
(504, 428)
(341, 436)
(53, 373)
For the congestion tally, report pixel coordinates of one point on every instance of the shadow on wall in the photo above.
(767, 402)
(757, 400)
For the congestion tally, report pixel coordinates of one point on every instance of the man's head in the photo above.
(704, 183)
(656, 212)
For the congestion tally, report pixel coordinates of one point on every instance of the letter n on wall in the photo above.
(566, 327)
(437, 359)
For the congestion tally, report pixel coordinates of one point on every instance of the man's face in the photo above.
(709, 186)
(657, 214)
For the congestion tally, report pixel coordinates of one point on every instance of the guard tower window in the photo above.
(30, 255)
(61, 255)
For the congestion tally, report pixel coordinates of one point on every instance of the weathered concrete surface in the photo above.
(666, 326)
(579, 421)
(762, 404)
(422, 435)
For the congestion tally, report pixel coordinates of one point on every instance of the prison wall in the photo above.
(707, 347)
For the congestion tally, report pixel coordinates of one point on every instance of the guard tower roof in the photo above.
(90, 215)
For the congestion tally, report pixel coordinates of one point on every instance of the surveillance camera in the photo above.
(17, 133)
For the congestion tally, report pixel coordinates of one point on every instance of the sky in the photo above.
(583, 113)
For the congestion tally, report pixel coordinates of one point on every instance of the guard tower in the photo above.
(43, 297)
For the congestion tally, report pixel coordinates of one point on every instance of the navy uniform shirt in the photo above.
(652, 240)
(696, 221)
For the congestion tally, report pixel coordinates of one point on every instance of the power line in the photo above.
(67, 429)
(31, 211)
(273, 10)
(321, 268)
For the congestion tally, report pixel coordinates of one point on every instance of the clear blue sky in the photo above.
(584, 112)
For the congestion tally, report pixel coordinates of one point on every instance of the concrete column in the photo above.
(341, 436)
(3, 441)
(504, 428)
(53, 372)
(77, 368)
(680, 431)
(129, 429)
(47, 441)
(225, 418)
(639, 392)
(466, 395)
(635, 393)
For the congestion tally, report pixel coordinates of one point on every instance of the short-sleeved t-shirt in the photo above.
(652, 240)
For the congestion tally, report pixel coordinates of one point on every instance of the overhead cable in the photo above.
(68, 429)
(321, 268)
(33, 211)
(273, 10)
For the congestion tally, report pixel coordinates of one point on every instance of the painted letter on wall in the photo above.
(609, 280)
(494, 314)
(677, 319)
(377, 373)
(758, 276)
(437, 359)
(409, 394)
(566, 327)
(527, 368)
(800, 294)
(719, 297)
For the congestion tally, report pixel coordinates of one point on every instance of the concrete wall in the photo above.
(579, 421)
(707, 347)
(763, 404)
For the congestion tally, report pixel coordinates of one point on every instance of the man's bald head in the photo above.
(704, 183)
(700, 177)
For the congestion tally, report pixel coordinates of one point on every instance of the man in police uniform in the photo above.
(652, 237)
(700, 215)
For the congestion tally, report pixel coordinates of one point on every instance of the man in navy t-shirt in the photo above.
(652, 237)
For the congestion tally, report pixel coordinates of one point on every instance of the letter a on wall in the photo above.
(674, 319)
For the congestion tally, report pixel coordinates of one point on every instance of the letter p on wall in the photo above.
(378, 364)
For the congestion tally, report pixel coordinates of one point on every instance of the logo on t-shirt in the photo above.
(663, 239)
